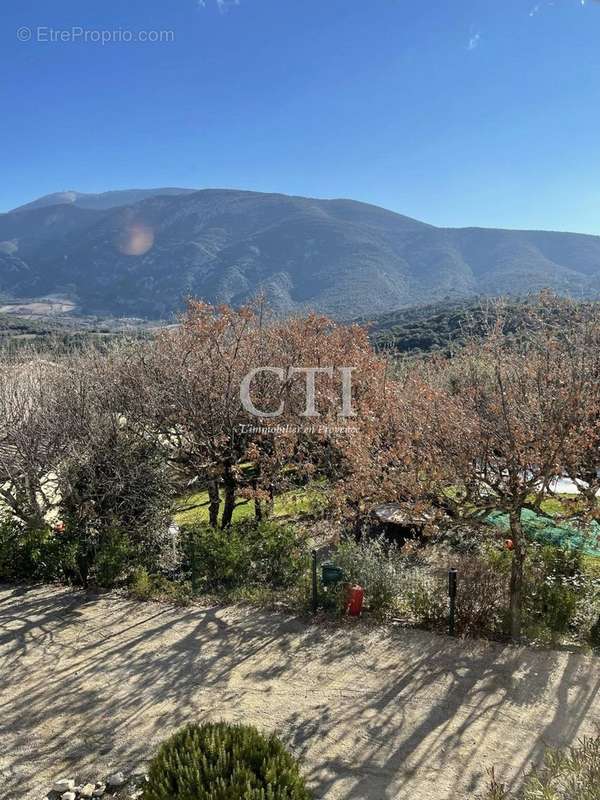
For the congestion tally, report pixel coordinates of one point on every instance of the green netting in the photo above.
(546, 531)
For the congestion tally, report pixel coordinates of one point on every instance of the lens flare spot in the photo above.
(136, 239)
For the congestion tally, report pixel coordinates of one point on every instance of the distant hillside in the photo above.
(424, 329)
(340, 257)
(445, 327)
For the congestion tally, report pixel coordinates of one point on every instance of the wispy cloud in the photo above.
(543, 4)
(535, 10)
(222, 5)
(474, 41)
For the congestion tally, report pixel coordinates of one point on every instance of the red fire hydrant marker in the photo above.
(354, 605)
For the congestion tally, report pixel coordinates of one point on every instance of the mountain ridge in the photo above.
(99, 200)
(337, 256)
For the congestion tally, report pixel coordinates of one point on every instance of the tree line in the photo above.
(103, 440)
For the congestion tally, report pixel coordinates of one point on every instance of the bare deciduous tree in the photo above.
(494, 427)
(39, 406)
(193, 377)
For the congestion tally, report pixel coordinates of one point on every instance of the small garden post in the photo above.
(452, 588)
(194, 566)
(315, 599)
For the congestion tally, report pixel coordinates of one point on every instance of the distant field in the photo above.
(63, 332)
(39, 308)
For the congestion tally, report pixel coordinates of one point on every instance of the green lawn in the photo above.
(193, 508)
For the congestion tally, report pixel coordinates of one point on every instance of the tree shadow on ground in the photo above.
(96, 683)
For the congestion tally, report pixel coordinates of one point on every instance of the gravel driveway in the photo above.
(90, 685)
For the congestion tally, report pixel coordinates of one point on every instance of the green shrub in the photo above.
(424, 600)
(216, 559)
(144, 586)
(594, 636)
(141, 587)
(278, 555)
(28, 555)
(70, 555)
(561, 597)
(181, 593)
(112, 557)
(482, 600)
(393, 582)
(586, 619)
(374, 564)
(224, 762)
(565, 775)
(114, 501)
(554, 583)
(99, 558)
(247, 554)
(558, 597)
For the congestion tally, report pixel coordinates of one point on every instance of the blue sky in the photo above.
(464, 112)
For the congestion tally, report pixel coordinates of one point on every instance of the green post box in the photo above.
(331, 574)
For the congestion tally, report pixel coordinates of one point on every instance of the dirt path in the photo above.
(90, 685)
